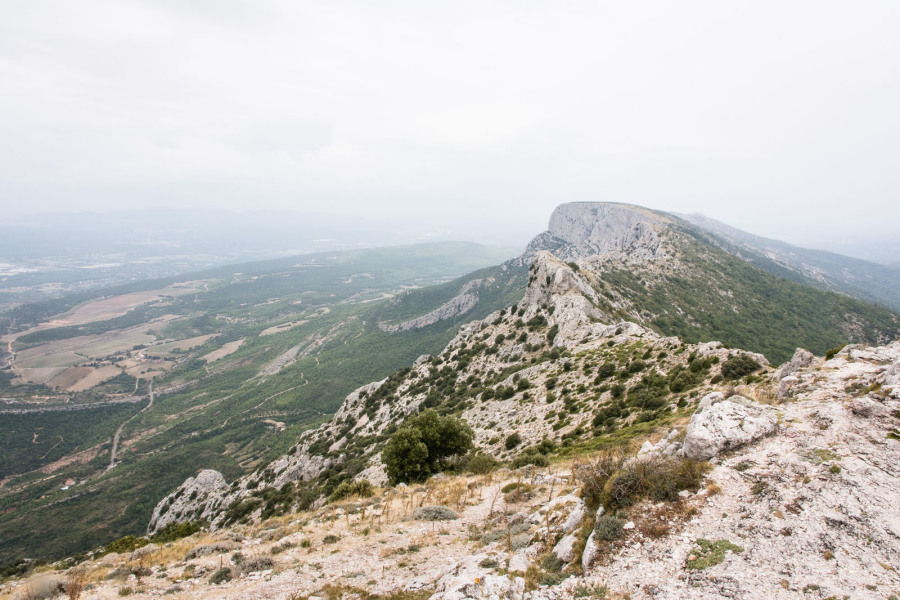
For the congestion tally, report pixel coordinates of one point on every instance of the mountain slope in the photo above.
(307, 334)
(869, 281)
(629, 271)
(659, 270)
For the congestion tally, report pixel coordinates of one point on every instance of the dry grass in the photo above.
(760, 392)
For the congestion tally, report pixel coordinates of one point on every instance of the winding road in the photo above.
(118, 434)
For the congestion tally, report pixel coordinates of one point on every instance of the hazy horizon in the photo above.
(464, 120)
(319, 228)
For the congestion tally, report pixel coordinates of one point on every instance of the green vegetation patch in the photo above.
(707, 554)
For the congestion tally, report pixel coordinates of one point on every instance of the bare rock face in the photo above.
(802, 358)
(193, 500)
(581, 229)
(460, 304)
(722, 424)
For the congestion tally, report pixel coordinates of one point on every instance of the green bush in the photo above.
(361, 488)
(513, 440)
(531, 456)
(129, 543)
(615, 481)
(739, 365)
(424, 445)
(708, 554)
(221, 576)
(176, 531)
(609, 528)
(480, 464)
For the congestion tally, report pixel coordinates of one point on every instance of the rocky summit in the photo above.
(608, 457)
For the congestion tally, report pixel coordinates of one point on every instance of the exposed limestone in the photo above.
(724, 424)
(580, 229)
(460, 304)
(194, 500)
(801, 358)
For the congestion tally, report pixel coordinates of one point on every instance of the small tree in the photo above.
(423, 446)
(513, 440)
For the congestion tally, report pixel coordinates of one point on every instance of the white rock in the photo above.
(628, 525)
(591, 552)
(564, 549)
(802, 358)
(786, 385)
(575, 517)
(519, 562)
(723, 424)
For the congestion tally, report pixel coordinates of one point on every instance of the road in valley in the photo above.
(118, 434)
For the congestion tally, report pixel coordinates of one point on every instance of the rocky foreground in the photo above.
(800, 499)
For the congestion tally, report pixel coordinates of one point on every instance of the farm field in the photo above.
(240, 367)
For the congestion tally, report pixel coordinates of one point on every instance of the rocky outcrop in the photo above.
(802, 358)
(196, 499)
(582, 229)
(722, 424)
(463, 302)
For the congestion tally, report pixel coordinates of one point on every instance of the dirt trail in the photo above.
(118, 434)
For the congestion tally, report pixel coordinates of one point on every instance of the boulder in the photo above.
(564, 549)
(868, 407)
(591, 552)
(722, 424)
(802, 358)
(575, 517)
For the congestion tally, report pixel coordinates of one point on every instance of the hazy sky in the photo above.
(777, 117)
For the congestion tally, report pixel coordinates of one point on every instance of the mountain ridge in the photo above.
(568, 304)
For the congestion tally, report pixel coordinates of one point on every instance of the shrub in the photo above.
(833, 351)
(609, 528)
(739, 365)
(176, 531)
(257, 563)
(125, 591)
(480, 464)
(362, 488)
(513, 440)
(530, 456)
(330, 539)
(423, 445)
(221, 576)
(434, 513)
(615, 481)
(129, 543)
(606, 371)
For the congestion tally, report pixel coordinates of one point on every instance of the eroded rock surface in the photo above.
(722, 424)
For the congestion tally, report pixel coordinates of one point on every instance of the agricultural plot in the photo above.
(212, 410)
(227, 349)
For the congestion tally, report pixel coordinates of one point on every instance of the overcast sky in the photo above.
(780, 118)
